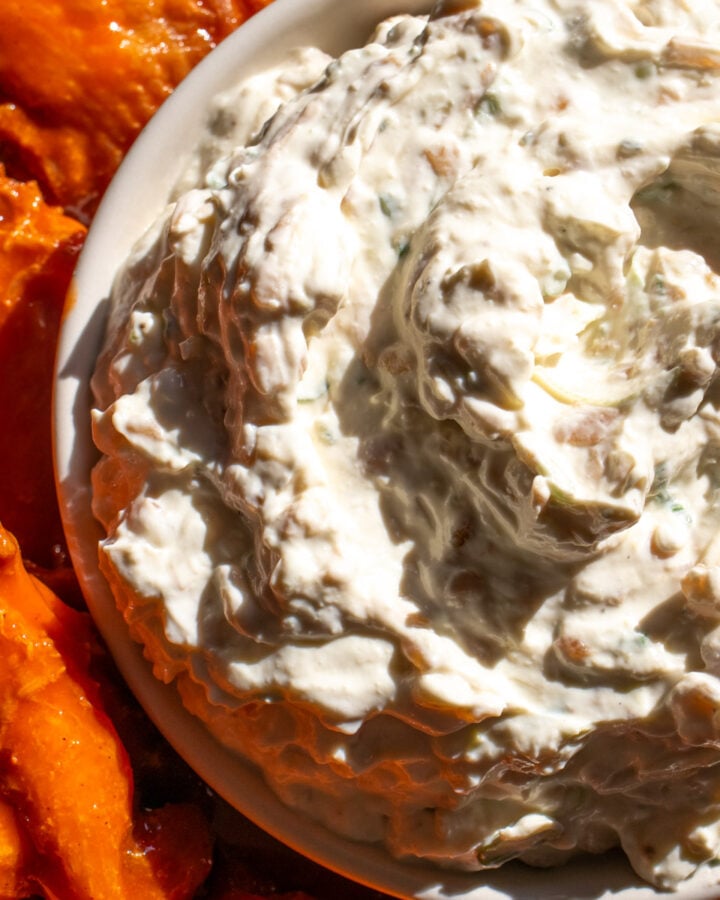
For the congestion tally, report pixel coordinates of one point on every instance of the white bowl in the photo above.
(135, 197)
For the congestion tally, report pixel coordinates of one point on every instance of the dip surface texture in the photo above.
(408, 414)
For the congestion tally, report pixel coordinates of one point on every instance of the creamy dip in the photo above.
(408, 414)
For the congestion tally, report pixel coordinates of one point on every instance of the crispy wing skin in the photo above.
(38, 249)
(63, 768)
(79, 79)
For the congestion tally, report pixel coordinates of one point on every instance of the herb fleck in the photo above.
(489, 105)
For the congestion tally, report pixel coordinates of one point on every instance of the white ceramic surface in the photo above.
(133, 200)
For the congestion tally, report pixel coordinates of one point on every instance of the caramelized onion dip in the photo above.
(409, 425)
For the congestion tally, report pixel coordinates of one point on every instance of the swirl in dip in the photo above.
(410, 437)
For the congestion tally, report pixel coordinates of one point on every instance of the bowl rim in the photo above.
(133, 200)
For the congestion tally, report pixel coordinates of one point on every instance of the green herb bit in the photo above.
(659, 492)
(660, 478)
(644, 70)
(658, 285)
(388, 204)
(402, 248)
(489, 105)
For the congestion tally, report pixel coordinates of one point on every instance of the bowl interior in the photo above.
(137, 194)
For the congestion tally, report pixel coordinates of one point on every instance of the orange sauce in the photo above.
(79, 79)
(64, 769)
(38, 249)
